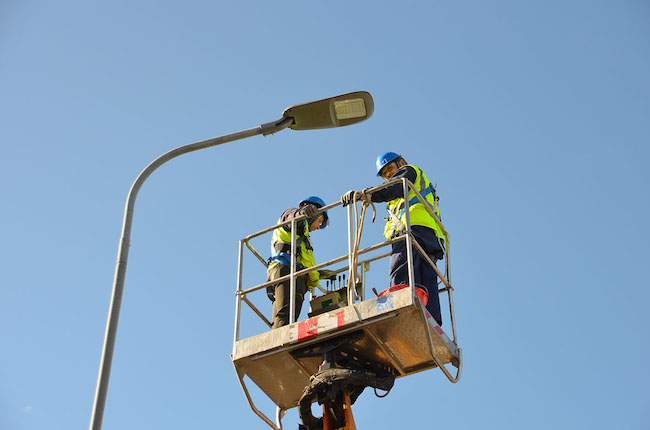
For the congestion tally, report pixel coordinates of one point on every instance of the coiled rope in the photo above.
(354, 279)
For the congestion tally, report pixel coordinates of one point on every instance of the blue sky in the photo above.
(532, 117)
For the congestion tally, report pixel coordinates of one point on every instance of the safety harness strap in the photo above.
(425, 192)
(280, 251)
(398, 226)
(285, 259)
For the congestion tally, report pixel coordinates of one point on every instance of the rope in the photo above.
(354, 277)
(323, 290)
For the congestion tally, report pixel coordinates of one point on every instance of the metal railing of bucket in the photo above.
(445, 279)
(353, 294)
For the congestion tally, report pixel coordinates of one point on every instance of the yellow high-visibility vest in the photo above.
(281, 246)
(417, 211)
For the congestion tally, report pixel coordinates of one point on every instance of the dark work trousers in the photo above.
(422, 270)
(281, 302)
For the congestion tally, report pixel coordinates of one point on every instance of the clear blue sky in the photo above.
(532, 117)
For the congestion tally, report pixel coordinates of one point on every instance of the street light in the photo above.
(336, 111)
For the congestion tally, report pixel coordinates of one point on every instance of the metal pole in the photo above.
(256, 254)
(350, 249)
(452, 315)
(279, 413)
(257, 311)
(292, 280)
(448, 258)
(123, 253)
(238, 295)
(409, 251)
(364, 269)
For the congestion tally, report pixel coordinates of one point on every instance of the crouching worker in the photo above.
(280, 261)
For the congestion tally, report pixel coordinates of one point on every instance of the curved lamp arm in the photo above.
(336, 111)
(123, 252)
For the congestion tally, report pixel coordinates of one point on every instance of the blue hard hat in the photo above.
(318, 202)
(386, 158)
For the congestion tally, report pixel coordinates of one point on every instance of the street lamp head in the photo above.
(336, 111)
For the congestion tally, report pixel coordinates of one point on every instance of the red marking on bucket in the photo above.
(418, 292)
(339, 319)
(308, 328)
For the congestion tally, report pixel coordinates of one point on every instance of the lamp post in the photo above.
(336, 111)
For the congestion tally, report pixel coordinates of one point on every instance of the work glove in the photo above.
(349, 197)
(309, 210)
(326, 274)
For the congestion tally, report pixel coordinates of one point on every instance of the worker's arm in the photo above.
(395, 191)
(313, 276)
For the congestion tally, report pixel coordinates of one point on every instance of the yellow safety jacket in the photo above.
(281, 248)
(417, 211)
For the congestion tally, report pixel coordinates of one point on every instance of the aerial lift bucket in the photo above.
(398, 333)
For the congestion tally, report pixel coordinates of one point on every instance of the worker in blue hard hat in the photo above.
(280, 260)
(425, 229)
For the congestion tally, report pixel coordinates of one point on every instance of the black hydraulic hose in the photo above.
(328, 383)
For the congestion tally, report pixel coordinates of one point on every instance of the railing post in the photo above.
(350, 249)
(409, 241)
(240, 271)
(452, 315)
(364, 268)
(292, 280)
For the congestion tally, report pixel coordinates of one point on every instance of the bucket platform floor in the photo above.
(398, 333)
